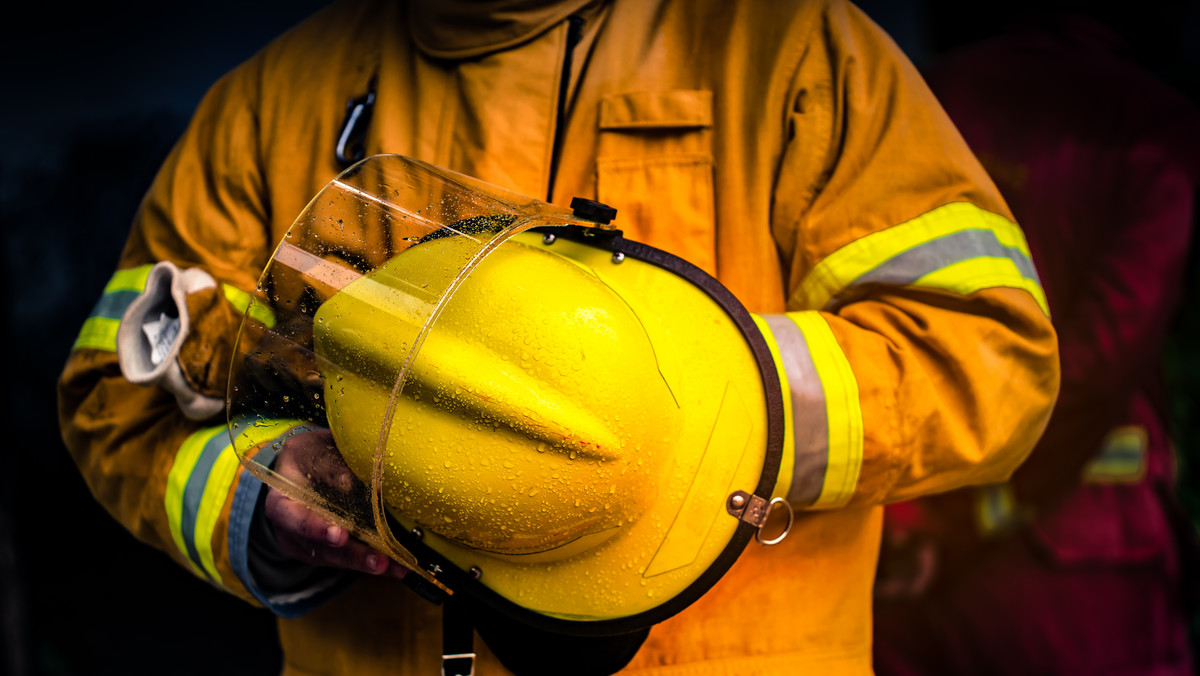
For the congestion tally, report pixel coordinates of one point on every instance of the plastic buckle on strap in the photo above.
(460, 664)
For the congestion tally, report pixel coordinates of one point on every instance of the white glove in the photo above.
(152, 331)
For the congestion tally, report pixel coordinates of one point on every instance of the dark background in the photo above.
(95, 95)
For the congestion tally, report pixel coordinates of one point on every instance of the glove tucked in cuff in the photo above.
(154, 328)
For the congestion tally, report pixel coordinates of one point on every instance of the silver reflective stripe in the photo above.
(114, 304)
(957, 247)
(193, 492)
(810, 423)
(910, 266)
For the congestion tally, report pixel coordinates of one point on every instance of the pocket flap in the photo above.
(679, 109)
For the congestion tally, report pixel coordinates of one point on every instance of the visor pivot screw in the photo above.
(618, 257)
(737, 501)
(549, 238)
(417, 533)
(475, 572)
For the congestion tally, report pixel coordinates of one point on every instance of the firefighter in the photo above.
(792, 153)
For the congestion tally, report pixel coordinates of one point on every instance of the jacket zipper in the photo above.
(574, 34)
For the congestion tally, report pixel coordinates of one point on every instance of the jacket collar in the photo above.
(460, 29)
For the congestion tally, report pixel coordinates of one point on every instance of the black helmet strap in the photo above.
(525, 650)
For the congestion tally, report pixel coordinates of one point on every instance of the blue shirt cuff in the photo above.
(287, 587)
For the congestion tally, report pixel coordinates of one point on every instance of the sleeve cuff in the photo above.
(287, 587)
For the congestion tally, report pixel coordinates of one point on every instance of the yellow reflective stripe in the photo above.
(131, 279)
(842, 268)
(1122, 457)
(243, 300)
(841, 406)
(787, 465)
(220, 481)
(809, 419)
(177, 480)
(99, 333)
(967, 277)
(198, 549)
(216, 490)
(995, 508)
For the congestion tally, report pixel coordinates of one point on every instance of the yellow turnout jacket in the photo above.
(788, 148)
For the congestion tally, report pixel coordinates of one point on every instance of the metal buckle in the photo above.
(755, 511)
(354, 128)
(459, 672)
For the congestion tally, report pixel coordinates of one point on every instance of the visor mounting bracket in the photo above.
(749, 508)
(755, 511)
(591, 210)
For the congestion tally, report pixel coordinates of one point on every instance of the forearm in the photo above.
(910, 393)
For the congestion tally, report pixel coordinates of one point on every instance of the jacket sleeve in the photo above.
(917, 347)
(174, 482)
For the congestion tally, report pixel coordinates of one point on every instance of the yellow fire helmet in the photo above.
(575, 430)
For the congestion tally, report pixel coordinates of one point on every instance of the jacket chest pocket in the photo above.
(655, 165)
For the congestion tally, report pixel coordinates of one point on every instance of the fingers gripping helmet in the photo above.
(573, 429)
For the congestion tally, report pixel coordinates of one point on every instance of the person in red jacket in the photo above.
(1073, 566)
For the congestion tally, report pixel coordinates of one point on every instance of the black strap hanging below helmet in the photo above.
(458, 639)
(525, 650)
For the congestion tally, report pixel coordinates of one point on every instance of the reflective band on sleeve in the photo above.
(995, 508)
(131, 279)
(826, 415)
(783, 485)
(99, 331)
(113, 304)
(842, 409)
(956, 247)
(243, 300)
(177, 480)
(969, 276)
(199, 483)
(1122, 457)
(806, 404)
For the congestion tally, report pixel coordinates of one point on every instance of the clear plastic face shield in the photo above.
(559, 422)
(322, 381)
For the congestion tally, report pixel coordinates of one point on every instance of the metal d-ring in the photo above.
(791, 514)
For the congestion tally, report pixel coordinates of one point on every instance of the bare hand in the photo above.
(311, 459)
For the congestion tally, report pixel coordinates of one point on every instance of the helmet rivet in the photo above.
(618, 257)
(737, 501)
(417, 533)
(475, 572)
(549, 238)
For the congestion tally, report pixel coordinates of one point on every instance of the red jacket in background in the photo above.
(1099, 162)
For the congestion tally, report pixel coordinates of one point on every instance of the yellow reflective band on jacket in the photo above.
(243, 301)
(198, 486)
(995, 508)
(825, 412)
(841, 408)
(99, 331)
(1122, 457)
(957, 247)
(787, 463)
